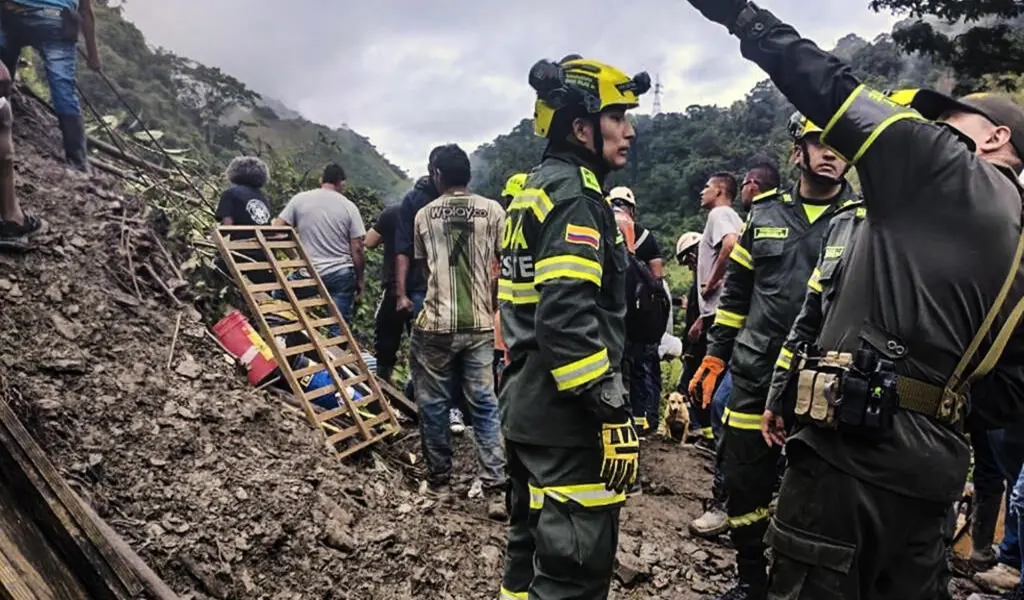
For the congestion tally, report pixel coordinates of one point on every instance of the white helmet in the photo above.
(623, 193)
(686, 242)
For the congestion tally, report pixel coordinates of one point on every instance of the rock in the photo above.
(241, 494)
(15, 292)
(629, 571)
(64, 366)
(78, 242)
(54, 295)
(490, 557)
(65, 328)
(189, 368)
(6, 285)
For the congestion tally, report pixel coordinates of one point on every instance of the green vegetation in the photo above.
(207, 116)
(675, 152)
(976, 38)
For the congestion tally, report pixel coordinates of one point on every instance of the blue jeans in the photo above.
(340, 284)
(720, 401)
(433, 356)
(1007, 446)
(644, 384)
(41, 30)
(1016, 508)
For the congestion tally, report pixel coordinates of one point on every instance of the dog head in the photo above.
(677, 417)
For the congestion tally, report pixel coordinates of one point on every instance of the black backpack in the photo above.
(647, 303)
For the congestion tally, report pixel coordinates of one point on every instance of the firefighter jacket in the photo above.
(936, 263)
(562, 294)
(821, 290)
(764, 287)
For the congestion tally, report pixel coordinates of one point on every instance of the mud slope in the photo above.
(224, 493)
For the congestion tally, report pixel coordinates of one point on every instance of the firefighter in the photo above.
(912, 340)
(571, 447)
(767, 276)
(513, 185)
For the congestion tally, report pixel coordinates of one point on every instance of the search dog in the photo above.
(677, 417)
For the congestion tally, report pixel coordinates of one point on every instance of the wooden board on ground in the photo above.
(50, 546)
(357, 423)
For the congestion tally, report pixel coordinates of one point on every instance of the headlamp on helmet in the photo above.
(801, 127)
(584, 85)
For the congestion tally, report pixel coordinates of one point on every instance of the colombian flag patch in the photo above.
(577, 234)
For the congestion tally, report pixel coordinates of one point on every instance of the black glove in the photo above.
(608, 400)
(723, 12)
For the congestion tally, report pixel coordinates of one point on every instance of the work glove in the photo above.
(707, 375)
(621, 455)
(723, 12)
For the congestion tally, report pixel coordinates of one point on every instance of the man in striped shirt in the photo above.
(457, 238)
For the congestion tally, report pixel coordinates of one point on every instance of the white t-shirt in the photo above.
(722, 221)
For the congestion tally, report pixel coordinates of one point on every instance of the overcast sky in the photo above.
(411, 74)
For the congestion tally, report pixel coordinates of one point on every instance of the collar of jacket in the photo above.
(845, 194)
(579, 156)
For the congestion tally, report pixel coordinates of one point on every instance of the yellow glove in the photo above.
(621, 455)
(711, 368)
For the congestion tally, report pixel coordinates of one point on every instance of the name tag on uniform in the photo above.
(834, 251)
(771, 233)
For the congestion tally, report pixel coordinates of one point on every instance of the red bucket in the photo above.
(242, 341)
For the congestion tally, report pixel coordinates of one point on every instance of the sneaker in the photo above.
(19, 237)
(455, 422)
(712, 523)
(999, 579)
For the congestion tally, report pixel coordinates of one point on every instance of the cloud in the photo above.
(412, 74)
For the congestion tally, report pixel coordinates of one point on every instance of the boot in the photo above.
(985, 513)
(72, 127)
(753, 575)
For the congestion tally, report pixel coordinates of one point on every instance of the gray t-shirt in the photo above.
(722, 221)
(327, 222)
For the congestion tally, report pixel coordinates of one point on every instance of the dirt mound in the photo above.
(221, 490)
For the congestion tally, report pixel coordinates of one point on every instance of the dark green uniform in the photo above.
(764, 286)
(860, 517)
(562, 290)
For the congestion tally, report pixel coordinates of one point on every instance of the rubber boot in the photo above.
(985, 514)
(72, 127)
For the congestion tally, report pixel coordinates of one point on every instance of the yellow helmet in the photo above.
(801, 127)
(902, 97)
(514, 185)
(582, 83)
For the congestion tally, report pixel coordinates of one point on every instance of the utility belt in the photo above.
(860, 392)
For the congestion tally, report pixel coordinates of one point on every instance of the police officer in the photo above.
(922, 311)
(572, 450)
(764, 287)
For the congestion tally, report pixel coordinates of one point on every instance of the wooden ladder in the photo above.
(356, 423)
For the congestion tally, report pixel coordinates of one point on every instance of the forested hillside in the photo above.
(205, 116)
(675, 152)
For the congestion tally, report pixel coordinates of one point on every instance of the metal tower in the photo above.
(656, 108)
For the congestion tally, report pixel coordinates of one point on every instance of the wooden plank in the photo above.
(82, 546)
(408, 407)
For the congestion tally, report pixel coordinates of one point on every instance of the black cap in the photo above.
(998, 108)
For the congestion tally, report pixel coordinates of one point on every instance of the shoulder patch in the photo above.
(765, 195)
(586, 236)
(771, 233)
(590, 182)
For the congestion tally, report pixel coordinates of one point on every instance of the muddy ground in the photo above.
(224, 492)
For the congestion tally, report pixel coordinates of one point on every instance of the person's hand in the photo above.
(360, 290)
(723, 12)
(403, 304)
(694, 334)
(773, 429)
(709, 288)
(94, 63)
(711, 368)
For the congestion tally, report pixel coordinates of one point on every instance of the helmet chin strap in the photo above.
(818, 178)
